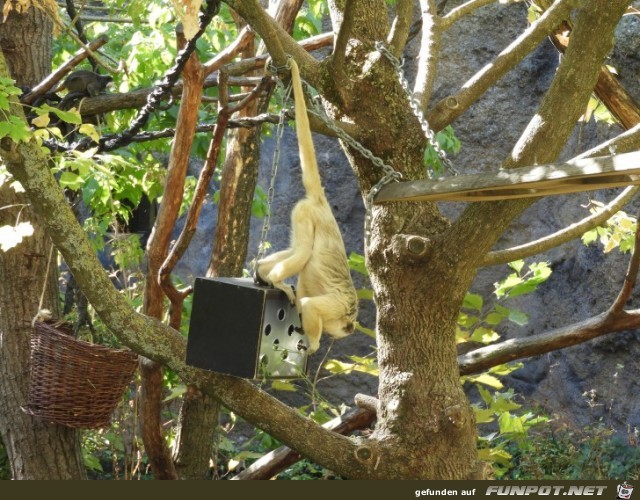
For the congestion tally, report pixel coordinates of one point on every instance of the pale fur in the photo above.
(325, 295)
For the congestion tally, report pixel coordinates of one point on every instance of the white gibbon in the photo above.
(326, 297)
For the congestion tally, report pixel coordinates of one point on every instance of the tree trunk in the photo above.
(36, 449)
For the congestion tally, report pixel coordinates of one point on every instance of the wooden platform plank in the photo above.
(539, 180)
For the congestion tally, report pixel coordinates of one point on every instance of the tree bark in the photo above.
(36, 449)
(421, 266)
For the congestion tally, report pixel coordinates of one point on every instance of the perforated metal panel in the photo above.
(243, 329)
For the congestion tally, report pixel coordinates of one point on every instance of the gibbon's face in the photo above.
(340, 328)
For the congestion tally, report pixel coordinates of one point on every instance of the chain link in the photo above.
(266, 225)
(416, 107)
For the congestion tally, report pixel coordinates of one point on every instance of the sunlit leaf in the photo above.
(356, 263)
(516, 265)
(176, 392)
(473, 301)
(41, 121)
(486, 379)
(283, 385)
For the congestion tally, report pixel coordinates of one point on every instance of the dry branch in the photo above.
(277, 460)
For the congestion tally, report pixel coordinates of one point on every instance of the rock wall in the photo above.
(594, 382)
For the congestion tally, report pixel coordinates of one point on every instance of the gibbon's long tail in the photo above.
(310, 174)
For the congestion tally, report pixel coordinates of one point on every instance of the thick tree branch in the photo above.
(463, 10)
(449, 108)
(626, 142)
(279, 43)
(157, 249)
(429, 53)
(549, 129)
(400, 27)
(342, 39)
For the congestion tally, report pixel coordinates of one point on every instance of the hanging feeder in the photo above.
(539, 180)
(247, 330)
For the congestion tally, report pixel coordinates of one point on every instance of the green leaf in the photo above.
(590, 236)
(486, 396)
(483, 415)
(365, 330)
(283, 385)
(505, 369)
(71, 180)
(71, 116)
(473, 301)
(356, 263)
(41, 121)
(502, 288)
(510, 424)
(363, 365)
(365, 294)
(91, 462)
(486, 379)
(484, 335)
(518, 317)
(176, 392)
(516, 265)
(493, 318)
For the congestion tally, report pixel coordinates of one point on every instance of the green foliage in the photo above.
(596, 109)
(10, 125)
(309, 20)
(571, 454)
(618, 232)
(500, 421)
(449, 142)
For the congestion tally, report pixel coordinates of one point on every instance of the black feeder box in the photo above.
(247, 330)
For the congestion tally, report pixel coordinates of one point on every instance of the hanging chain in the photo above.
(416, 107)
(279, 131)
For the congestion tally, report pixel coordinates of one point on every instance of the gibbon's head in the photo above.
(341, 327)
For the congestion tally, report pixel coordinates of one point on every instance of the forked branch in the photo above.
(449, 108)
(615, 319)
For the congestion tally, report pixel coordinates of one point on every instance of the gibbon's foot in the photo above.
(291, 294)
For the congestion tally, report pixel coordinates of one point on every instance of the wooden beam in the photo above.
(526, 182)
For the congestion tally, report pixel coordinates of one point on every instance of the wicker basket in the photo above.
(75, 383)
